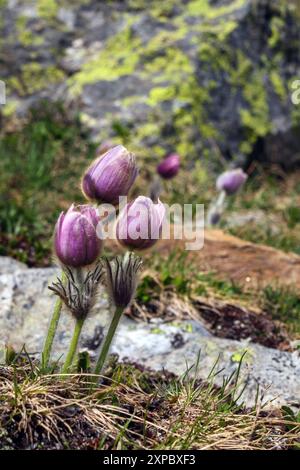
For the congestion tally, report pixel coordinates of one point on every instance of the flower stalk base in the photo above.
(107, 342)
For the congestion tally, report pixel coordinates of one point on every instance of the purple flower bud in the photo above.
(169, 167)
(140, 223)
(75, 239)
(110, 176)
(231, 181)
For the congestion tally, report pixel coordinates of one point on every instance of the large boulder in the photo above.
(201, 77)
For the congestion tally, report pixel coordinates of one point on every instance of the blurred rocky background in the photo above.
(205, 78)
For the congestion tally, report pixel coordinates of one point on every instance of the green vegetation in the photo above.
(177, 273)
(276, 200)
(284, 305)
(134, 409)
(173, 272)
(40, 165)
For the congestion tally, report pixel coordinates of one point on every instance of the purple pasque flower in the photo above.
(110, 176)
(169, 167)
(76, 243)
(231, 181)
(140, 223)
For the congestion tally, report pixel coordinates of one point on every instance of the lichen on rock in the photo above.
(189, 77)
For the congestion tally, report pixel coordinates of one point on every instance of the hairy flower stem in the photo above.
(73, 346)
(52, 330)
(107, 342)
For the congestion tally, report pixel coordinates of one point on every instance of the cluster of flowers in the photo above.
(78, 242)
(78, 247)
(167, 169)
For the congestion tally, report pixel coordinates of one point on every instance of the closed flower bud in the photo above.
(121, 279)
(169, 167)
(75, 239)
(110, 176)
(231, 181)
(140, 223)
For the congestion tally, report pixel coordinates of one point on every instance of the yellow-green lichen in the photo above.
(245, 355)
(25, 35)
(34, 78)
(118, 58)
(170, 65)
(277, 25)
(205, 9)
(238, 72)
(160, 94)
(170, 73)
(148, 129)
(133, 100)
(221, 29)
(9, 108)
(157, 331)
(256, 118)
(87, 120)
(47, 9)
(278, 84)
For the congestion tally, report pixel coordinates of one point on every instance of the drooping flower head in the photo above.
(231, 181)
(169, 167)
(75, 239)
(79, 297)
(121, 278)
(140, 223)
(110, 176)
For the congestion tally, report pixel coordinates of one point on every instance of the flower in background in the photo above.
(169, 167)
(75, 239)
(231, 181)
(140, 223)
(110, 176)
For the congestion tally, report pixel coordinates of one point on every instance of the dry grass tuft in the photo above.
(132, 409)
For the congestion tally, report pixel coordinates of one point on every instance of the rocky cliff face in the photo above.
(202, 77)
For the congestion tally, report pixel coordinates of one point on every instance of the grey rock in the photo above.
(275, 372)
(68, 17)
(26, 308)
(239, 219)
(26, 305)
(238, 87)
(9, 265)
